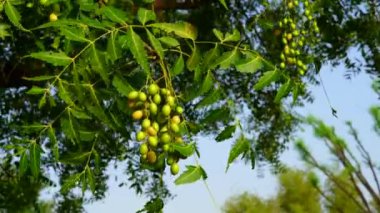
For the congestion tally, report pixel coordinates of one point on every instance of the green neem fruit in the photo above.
(179, 109)
(133, 95)
(156, 126)
(164, 91)
(153, 108)
(151, 131)
(137, 115)
(151, 157)
(166, 147)
(170, 100)
(170, 160)
(161, 118)
(174, 168)
(293, 26)
(165, 138)
(179, 140)
(153, 89)
(282, 56)
(157, 99)
(145, 123)
(282, 65)
(140, 136)
(289, 36)
(166, 110)
(144, 149)
(143, 157)
(142, 96)
(153, 141)
(176, 119)
(174, 127)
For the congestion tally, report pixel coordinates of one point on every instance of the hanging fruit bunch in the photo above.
(159, 117)
(300, 32)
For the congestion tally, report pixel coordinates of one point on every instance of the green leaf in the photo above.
(24, 162)
(209, 99)
(252, 157)
(218, 114)
(218, 34)
(241, 146)
(227, 133)
(136, 45)
(121, 85)
(181, 29)
(4, 31)
(179, 66)
(63, 93)
(296, 91)
(42, 101)
(35, 90)
(70, 182)
(73, 34)
(156, 44)
(54, 58)
(194, 60)
(234, 36)
(227, 59)
(283, 91)
(13, 15)
(53, 141)
(113, 48)
(144, 15)
(249, 65)
(79, 114)
(69, 127)
(90, 179)
(35, 156)
(210, 56)
(169, 41)
(115, 15)
(75, 158)
(266, 79)
(153, 206)
(207, 83)
(98, 63)
(192, 174)
(40, 78)
(223, 2)
(185, 150)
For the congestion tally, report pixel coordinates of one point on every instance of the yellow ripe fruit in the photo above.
(137, 115)
(151, 157)
(174, 168)
(151, 131)
(176, 119)
(53, 17)
(174, 127)
(170, 100)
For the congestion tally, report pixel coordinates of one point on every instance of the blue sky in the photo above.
(351, 99)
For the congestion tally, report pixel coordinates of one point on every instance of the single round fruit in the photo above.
(165, 138)
(43, 2)
(164, 91)
(157, 99)
(166, 147)
(145, 123)
(170, 100)
(176, 119)
(290, 5)
(153, 108)
(170, 160)
(142, 96)
(133, 95)
(153, 89)
(166, 110)
(151, 131)
(178, 140)
(151, 157)
(174, 168)
(137, 115)
(140, 136)
(179, 109)
(153, 141)
(144, 149)
(53, 17)
(174, 127)
(29, 5)
(289, 36)
(282, 65)
(156, 126)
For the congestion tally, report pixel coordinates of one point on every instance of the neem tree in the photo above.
(87, 83)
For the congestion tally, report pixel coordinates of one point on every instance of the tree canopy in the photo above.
(86, 84)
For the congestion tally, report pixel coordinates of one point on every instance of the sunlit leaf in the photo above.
(42, 101)
(210, 56)
(181, 29)
(218, 34)
(234, 36)
(13, 15)
(185, 150)
(4, 32)
(192, 174)
(169, 41)
(241, 146)
(113, 48)
(223, 2)
(40, 78)
(35, 90)
(249, 65)
(227, 59)
(267, 78)
(54, 58)
(145, 15)
(226, 133)
(208, 83)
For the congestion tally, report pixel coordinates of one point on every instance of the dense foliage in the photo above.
(68, 68)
